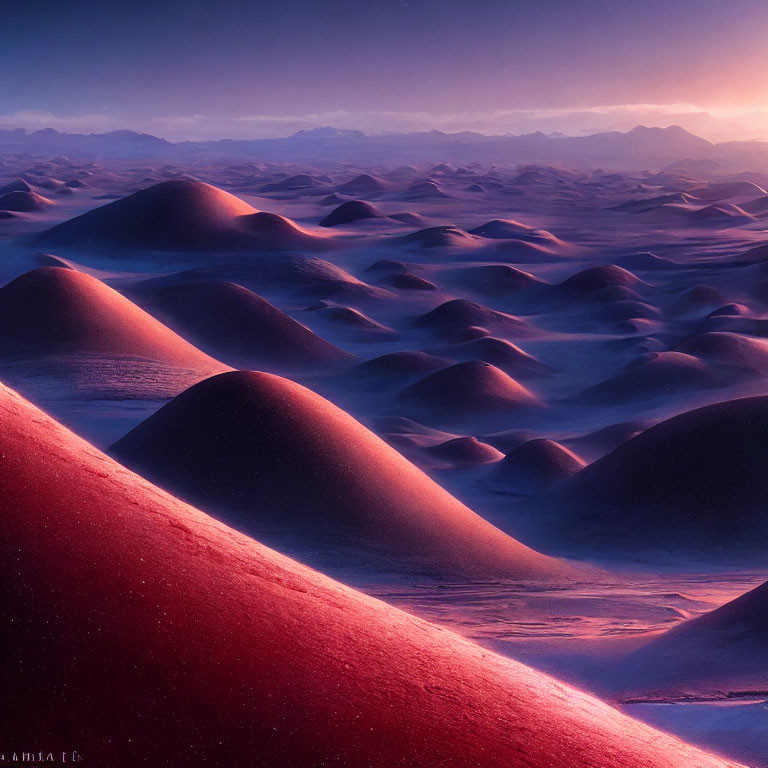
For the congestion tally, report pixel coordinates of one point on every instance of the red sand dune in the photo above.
(352, 210)
(536, 464)
(54, 310)
(694, 482)
(143, 633)
(181, 216)
(62, 323)
(240, 328)
(721, 653)
(473, 391)
(239, 442)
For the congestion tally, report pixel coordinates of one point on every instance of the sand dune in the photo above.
(239, 327)
(596, 278)
(757, 207)
(24, 202)
(508, 229)
(697, 300)
(645, 260)
(286, 274)
(722, 654)
(405, 281)
(730, 350)
(457, 314)
(424, 190)
(727, 189)
(410, 218)
(54, 310)
(238, 442)
(439, 237)
(396, 367)
(536, 464)
(464, 452)
(364, 184)
(503, 354)
(473, 392)
(354, 325)
(20, 185)
(499, 280)
(655, 374)
(243, 652)
(181, 216)
(594, 445)
(352, 210)
(692, 483)
(64, 333)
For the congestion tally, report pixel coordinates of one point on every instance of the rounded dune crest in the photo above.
(352, 210)
(24, 202)
(693, 482)
(180, 215)
(537, 464)
(240, 327)
(470, 390)
(238, 441)
(55, 310)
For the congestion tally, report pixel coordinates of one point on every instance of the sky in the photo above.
(247, 68)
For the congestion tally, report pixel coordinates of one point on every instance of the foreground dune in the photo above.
(143, 632)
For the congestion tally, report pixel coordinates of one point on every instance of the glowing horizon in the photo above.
(250, 70)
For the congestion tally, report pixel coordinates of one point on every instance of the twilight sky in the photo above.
(248, 68)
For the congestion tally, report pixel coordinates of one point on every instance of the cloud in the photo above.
(714, 124)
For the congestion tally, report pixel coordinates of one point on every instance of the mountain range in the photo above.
(640, 148)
